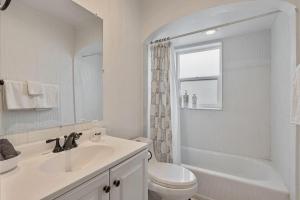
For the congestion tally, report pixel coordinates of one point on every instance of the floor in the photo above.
(194, 198)
(153, 196)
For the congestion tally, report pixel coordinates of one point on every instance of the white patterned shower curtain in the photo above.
(160, 105)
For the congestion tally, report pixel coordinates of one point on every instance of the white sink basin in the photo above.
(76, 159)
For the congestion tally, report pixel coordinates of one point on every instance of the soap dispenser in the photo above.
(96, 137)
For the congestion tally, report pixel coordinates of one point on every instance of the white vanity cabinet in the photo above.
(91, 190)
(129, 179)
(125, 181)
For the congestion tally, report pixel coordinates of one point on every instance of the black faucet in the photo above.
(57, 147)
(70, 141)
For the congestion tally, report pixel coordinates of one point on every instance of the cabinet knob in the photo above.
(106, 189)
(117, 183)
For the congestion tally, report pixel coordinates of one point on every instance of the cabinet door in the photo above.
(91, 190)
(129, 179)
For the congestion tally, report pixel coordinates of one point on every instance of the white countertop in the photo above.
(29, 182)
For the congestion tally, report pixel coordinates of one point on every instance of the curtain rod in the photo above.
(214, 27)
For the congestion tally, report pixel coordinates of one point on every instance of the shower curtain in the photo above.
(161, 105)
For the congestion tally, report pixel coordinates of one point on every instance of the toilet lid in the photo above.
(171, 175)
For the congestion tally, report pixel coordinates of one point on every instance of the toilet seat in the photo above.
(171, 176)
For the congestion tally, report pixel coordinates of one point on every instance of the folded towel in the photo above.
(7, 149)
(34, 88)
(50, 98)
(16, 96)
(295, 109)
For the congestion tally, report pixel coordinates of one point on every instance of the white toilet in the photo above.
(169, 181)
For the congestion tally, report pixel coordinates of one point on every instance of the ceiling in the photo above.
(218, 16)
(229, 31)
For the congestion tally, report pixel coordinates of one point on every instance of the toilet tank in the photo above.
(150, 147)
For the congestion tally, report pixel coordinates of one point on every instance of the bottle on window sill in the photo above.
(194, 100)
(185, 99)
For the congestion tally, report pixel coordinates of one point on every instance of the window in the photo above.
(200, 76)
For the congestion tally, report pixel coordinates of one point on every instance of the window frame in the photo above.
(200, 48)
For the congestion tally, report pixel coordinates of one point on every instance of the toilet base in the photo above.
(172, 194)
(175, 199)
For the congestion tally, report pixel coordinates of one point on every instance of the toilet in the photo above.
(169, 181)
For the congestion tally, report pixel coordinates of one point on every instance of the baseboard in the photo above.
(201, 197)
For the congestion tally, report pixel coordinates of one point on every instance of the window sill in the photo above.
(203, 108)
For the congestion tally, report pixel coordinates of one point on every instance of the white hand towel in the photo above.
(50, 98)
(35, 88)
(295, 109)
(16, 96)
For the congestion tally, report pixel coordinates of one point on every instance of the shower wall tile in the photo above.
(243, 126)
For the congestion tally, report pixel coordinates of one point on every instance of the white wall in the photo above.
(282, 130)
(43, 52)
(123, 78)
(242, 127)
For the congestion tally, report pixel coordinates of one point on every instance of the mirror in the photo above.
(53, 47)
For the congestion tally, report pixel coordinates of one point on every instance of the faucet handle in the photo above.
(57, 147)
(77, 135)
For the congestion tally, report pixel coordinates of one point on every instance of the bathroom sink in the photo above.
(76, 159)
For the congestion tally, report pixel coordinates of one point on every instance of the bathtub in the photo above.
(227, 177)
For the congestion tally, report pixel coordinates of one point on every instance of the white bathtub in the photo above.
(228, 177)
